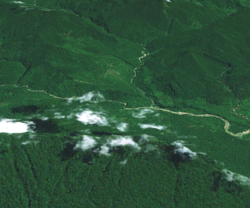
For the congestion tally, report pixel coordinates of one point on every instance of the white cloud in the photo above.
(104, 150)
(186, 137)
(118, 141)
(25, 143)
(242, 179)
(180, 148)
(58, 115)
(32, 136)
(29, 142)
(122, 126)
(11, 127)
(90, 117)
(124, 162)
(18, 2)
(87, 143)
(202, 153)
(230, 176)
(145, 138)
(44, 118)
(142, 113)
(71, 115)
(145, 126)
(89, 97)
(123, 141)
(150, 147)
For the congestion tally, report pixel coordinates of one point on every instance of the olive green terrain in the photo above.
(183, 56)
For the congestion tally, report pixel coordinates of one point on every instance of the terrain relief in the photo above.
(124, 103)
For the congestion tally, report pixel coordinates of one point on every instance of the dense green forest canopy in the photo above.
(124, 103)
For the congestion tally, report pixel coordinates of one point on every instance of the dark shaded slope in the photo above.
(144, 20)
(139, 21)
(53, 174)
(205, 68)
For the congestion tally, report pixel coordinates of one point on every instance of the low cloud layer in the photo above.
(181, 149)
(122, 126)
(12, 127)
(231, 176)
(18, 2)
(90, 117)
(146, 126)
(89, 97)
(104, 150)
(142, 113)
(124, 141)
(59, 115)
(88, 142)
